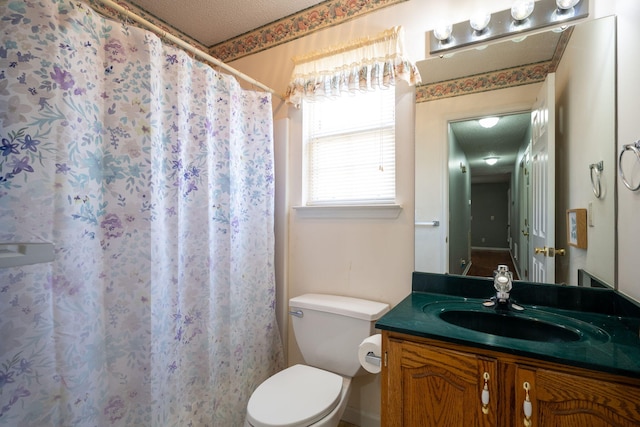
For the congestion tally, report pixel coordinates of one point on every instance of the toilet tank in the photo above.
(329, 329)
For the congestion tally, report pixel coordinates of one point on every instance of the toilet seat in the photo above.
(297, 396)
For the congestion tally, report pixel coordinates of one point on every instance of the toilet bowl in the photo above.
(328, 330)
(299, 396)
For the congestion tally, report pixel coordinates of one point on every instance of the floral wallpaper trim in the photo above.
(323, 15)
(511, 77)
(560, 48)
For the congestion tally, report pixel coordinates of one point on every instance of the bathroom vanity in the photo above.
(570, 358)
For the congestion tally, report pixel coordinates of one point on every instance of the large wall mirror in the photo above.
(495, 213)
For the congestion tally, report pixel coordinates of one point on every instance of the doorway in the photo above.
(487, 193)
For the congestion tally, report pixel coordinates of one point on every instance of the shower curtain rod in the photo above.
(182, 44)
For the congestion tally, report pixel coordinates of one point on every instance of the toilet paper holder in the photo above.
(372, 358)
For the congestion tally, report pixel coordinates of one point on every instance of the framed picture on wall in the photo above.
(577, 228)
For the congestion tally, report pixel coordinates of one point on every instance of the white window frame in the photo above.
(350, 132)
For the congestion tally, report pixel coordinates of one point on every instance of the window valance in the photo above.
(369, 63)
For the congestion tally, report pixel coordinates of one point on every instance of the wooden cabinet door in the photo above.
(432, 387)
(565, 400)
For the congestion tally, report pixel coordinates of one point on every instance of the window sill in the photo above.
(349, 211)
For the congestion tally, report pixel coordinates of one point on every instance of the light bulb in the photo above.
(480, 21)
(522, 9)
(566, 4)
(443, 32)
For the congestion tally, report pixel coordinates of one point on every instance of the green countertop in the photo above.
(608, 322)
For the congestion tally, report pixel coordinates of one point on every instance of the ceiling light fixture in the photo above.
(491, 160)
(524, 17)
(488, 122)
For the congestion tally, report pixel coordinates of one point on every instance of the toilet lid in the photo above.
(299, 395)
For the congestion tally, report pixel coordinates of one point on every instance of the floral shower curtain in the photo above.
(153, 176)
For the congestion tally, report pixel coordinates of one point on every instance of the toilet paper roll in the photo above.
(369, 352)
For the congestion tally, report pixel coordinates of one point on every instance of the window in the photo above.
(350, 149)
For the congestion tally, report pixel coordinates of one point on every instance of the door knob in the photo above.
(543, 251)
(550, 252)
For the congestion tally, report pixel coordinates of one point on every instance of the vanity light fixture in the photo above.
(488, 122)
(524, 17)
(492, 160)
(480, 21)
(566, 8)
(522, 9)
(443, 32)
(566, 4)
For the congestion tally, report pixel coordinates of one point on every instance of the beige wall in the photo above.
(368, 258)
(628, 13)
(374, 258)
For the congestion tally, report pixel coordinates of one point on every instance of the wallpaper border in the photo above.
(501, 79)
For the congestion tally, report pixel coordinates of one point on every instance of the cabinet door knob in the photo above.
(526, 406)
(485, 394)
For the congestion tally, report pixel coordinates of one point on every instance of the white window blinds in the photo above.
(350, 149)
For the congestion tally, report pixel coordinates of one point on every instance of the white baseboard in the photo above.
(358, 418)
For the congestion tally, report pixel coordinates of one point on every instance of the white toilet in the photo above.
(328, 330)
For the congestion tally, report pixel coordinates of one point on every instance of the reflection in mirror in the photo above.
(584, 64)
(493, 181)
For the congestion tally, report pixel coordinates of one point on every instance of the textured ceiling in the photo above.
(213, 21)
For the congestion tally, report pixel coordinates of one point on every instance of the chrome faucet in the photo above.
(503, 283)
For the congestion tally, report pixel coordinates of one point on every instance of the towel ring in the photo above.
(595, 183)
(635, 147)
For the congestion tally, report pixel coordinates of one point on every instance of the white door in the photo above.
(543, 172)
(525, 202)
